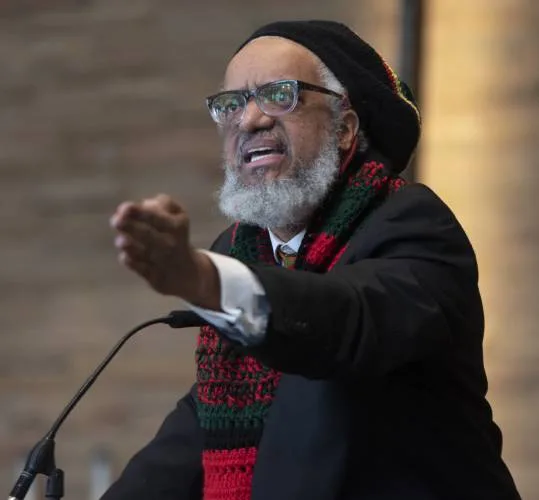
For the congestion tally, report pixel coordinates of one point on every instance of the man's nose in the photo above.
(254, 119)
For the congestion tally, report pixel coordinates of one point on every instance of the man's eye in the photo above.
(231, 106)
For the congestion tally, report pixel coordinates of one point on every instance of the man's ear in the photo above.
(349, 129)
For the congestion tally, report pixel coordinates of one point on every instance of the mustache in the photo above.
(245, 140)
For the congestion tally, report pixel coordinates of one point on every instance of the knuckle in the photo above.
(124, 205)
(126, 208)
(162, 201)
(124, 223)
(149, 203)
(119, 241)
(164, 198)
(124, 259)
(169, 203)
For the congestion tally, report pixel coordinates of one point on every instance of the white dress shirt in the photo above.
(245, 309)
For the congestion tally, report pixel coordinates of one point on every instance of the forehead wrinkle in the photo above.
(271, 58)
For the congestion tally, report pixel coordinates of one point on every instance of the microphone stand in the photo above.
(41, 458)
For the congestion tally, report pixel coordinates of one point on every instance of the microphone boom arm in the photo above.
(41, 459)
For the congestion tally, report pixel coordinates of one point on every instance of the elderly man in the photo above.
(344, 360)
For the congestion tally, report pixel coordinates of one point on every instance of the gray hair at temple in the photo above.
(330, 81)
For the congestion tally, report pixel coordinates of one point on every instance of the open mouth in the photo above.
(254, 155)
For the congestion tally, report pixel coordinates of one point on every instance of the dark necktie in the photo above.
(286, 256)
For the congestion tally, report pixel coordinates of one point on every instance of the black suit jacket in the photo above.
(383, 396)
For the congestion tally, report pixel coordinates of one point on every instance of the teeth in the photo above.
(258, 150)
(258, 156)
(257, 153)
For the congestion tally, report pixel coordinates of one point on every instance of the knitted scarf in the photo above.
(235, 391)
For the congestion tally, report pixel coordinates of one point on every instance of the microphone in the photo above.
(41, 458)
(184, 319)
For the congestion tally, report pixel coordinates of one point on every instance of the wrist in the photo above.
(204, 288)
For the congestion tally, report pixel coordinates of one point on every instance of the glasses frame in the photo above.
(247, 94)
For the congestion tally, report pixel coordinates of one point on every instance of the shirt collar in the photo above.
(294, 243)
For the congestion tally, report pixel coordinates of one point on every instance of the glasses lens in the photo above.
(227, 108)
(277, 98)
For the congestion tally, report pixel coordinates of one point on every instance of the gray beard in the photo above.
(281, 203)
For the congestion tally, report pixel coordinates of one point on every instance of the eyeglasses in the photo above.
(273, 99)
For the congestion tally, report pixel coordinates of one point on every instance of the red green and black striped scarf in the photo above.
(235, 391)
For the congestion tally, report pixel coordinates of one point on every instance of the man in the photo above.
(345, 356)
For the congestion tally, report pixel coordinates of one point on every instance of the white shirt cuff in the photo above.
(245, 309)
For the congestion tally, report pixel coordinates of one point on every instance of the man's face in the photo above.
(296, 137)
(281, 188)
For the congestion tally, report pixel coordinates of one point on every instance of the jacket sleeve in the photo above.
(169, 467)
(412, 297)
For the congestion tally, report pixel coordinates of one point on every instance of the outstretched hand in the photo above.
(153, 241)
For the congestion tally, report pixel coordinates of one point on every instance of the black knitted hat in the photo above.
(385, 105)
